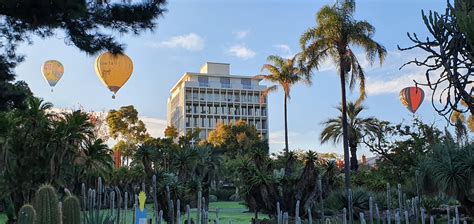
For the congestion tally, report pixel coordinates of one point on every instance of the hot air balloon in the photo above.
(113, 70)
(52, 71)
(411, 98)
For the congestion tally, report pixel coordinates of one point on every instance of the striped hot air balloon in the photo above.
(411, 98)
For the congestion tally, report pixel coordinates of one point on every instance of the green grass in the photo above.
(228, 211)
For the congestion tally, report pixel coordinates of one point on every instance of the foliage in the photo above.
(236, 139)
(171, 132)
(358, 128)
(399, 145)
(125, 126)
(66, 150)
(449, 168)
(449, 64)
(338, 200)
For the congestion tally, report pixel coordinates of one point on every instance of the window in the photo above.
(246, 83)
(203, 81)
(225, 82)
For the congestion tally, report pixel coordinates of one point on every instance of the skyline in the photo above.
(180, 45)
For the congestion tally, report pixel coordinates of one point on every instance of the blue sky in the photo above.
(242, 33)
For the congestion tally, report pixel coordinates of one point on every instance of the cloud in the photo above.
(285, 50)
(192, 42)
(241, 51)
(155, 126)
(384, 86)
(240, 34)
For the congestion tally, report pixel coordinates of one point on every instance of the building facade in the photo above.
(202, 100)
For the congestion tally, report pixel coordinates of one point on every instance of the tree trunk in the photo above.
(347, 171)
(354, 162)
(286, 126)
(347, 180)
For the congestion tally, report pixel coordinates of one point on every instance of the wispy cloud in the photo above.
(191, 41)
(285, 50)
(241, 51)
(240, 34)
(384, 86)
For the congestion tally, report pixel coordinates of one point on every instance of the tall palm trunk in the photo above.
(347, 174)
(286, 126)
(347, 180)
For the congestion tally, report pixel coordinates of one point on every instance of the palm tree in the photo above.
(286, 73)
(336, 32)
(357, 128)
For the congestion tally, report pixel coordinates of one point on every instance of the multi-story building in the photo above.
(202, 100)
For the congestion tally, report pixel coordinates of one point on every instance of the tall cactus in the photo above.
(71, 210)
(46, 204)
(26, 215)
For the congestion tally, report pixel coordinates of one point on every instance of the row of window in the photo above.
(225, 110)
(224, 82)
(223, 96)
(212, 122)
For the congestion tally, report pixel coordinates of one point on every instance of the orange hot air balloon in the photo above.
(412, 97)
(113, 70)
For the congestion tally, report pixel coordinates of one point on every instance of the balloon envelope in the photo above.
(52, 71)
(113, 70)
(411, 98)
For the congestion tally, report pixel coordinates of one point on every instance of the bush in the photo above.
(212, 198)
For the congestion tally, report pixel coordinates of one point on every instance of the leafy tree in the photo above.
(357, 127)
(171, 132)
(236, 139)
(449, 64)
(125, 126)
(285, 73)
(336, 33)
(399, 146)
(83, 23)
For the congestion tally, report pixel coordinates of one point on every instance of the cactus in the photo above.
(155, 200)
(26, 215)
(199, 205)
(46, 204)
(297, 212)
(71, 210)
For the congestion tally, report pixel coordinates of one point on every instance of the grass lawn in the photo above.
(229, 211)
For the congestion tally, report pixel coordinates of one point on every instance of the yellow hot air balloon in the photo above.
(52, 71)
(113, 70)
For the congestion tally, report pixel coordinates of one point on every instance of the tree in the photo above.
(83, 23)
(171, 132)
(236, 139)
(449, 64)
(336, 32)
(124, 125)
(448, 167)
(285, 73)
(357, 127)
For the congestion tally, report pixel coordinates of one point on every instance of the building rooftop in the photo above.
(212, 69)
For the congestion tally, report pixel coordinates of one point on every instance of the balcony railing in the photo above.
(224, 85)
